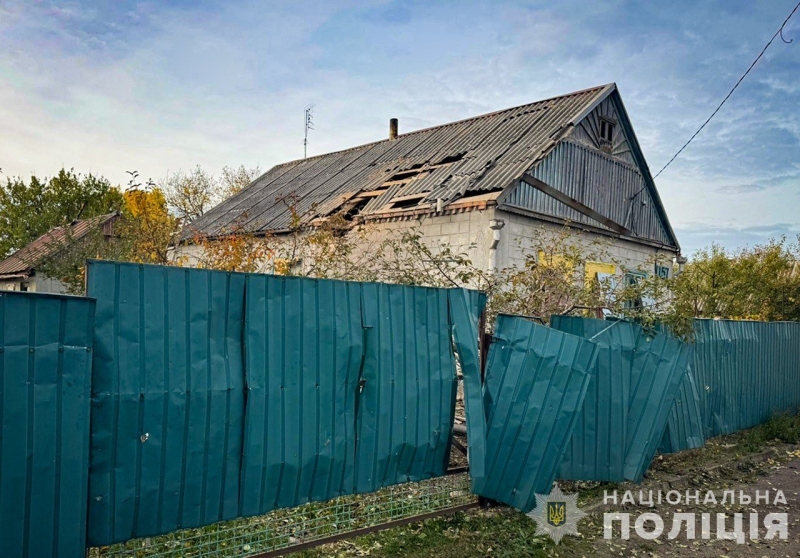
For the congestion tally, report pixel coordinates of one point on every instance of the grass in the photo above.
(507, 532)
(500, 532)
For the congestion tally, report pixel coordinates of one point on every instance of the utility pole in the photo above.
(309, 125)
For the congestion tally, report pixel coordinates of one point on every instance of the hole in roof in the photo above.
(402, 204)
(452, 159)
(355, 208)
(475, 193)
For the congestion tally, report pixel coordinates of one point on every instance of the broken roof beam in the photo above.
(575, 204)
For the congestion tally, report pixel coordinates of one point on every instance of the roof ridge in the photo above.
(596, 88)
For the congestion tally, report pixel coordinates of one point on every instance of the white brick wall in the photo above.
(469, 232)
(522, 234)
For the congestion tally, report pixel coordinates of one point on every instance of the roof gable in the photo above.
(470, 157)
(588, 180)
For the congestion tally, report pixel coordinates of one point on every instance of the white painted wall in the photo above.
(470, 232)
(521, 235)
(36, 284)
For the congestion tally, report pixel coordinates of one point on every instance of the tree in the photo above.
(148, 228)
(190, 195)
(234, 180)
(68, 264)
(758, 283)
(29, 210)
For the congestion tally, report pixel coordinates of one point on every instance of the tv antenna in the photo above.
(309, 125)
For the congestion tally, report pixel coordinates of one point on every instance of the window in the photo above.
(606, 131)
(631, 280)
(23, 286)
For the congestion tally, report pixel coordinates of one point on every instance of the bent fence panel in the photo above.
(465, 309)
(685, 424)
(539, 385)
(407, 398)
(304, 350)
(659, 366)
(45, 378)
(167, 399)
(637, 378)
(597, 450)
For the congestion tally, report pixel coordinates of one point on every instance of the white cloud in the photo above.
(155, 88)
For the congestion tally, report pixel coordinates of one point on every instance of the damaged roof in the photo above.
(449, 162)
(23, 262)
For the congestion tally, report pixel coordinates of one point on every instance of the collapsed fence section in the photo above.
(536, 380)
(637, 377)
(45, 378)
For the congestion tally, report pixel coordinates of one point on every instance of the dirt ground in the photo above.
(738, 462)
(780, 471)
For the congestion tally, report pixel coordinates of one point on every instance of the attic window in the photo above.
(606, 131)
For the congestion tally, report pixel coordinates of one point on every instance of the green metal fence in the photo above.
(536, 381)
(219, 395)
(637, 378)
(237, 414)
(746, 372)
(351, 387)
(167, 399)
(45, 373)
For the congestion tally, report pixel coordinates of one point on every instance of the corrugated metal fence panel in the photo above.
(746, 372)
(597, 449)
(407, 404)
(45, 378)
(652, 368)
(304, 351)
(167, 399)
(685, 424)
(544, 374)
(351, 387)
(659, 366)
(465, 309)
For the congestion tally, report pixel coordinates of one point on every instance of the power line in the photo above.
(716, 110)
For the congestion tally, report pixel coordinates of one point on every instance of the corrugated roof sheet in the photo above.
(484, 153)
(24, 260)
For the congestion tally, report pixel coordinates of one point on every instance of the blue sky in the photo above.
(159, 86)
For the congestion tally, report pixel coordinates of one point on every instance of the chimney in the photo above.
(392, 128)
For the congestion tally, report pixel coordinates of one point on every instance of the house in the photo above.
(489, 184)
(18, 271)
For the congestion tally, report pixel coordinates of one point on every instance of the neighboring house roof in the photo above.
(422, 171)
(23, 262)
